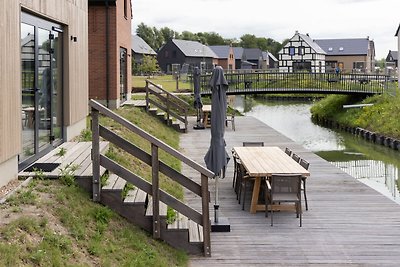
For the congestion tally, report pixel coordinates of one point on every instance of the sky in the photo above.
(329, 19)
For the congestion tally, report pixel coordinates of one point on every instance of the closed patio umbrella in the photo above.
(198, 105)
(217, 158)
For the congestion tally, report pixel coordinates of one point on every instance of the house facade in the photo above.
(44, 79)
(300, 54)
(110, 65)
(353, 55)
(392, 59)
(179, 52)
(225, 56)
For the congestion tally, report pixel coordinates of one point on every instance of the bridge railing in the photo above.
(279, 82)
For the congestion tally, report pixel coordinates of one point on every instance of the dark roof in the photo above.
(271, 56)
(398, 31)
(238, 52)
(194, 49)
(335, 47)
(393, 54)
(139, 46)
(252, 53)
(222, 51)
(314, 45)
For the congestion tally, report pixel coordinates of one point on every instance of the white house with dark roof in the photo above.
(140, 48)
(182, 52)
(392, 59)
(350, 55)
(301, 53)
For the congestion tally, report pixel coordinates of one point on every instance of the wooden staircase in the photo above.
(167, 107)
(146, 205)
(136, 207)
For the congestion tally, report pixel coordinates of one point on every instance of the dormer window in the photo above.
(341, 48)
(330, 49)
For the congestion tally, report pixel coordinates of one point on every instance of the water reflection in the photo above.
(374, 165)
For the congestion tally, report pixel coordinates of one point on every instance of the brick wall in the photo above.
(119, 36)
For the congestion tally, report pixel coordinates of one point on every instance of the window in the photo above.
(123, 70)
(291, 50)
(341, 48)
(330, 49)
(125, 8)
(301, 50)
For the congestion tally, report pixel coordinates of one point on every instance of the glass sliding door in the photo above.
(123, 69)
(41, 68)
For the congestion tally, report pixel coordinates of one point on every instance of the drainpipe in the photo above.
(107, 54)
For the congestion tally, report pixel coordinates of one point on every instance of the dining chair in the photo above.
(231, 119)
(253, 143)
(288, 151)
(296, 157)
(283, 188)
(236, 161)
(243, 180)
(305, 164)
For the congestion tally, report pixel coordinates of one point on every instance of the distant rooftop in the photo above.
(355, 46)
(194, 49)
(222, 51)
(139, 46)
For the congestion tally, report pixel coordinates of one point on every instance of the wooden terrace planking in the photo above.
(347, 223)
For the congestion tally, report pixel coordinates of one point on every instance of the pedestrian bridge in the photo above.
(299, 83)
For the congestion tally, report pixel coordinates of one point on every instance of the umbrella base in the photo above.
(198, 127)
(221, 226)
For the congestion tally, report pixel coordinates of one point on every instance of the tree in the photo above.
(248, 41)
(149, 65)
(146, 33)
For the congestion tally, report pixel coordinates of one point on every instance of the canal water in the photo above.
(374, 165)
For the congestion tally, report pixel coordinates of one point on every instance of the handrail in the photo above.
(284, 82)
(171, 104)
(152, 159)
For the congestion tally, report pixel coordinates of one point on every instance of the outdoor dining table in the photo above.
(206, 115)
(262, 162)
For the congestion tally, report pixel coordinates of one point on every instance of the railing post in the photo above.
(95, 156)
(147, 96)
(168, 110)
(205, 199)
(155, 191)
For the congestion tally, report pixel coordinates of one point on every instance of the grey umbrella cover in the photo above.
(196, 90)
(217, 158)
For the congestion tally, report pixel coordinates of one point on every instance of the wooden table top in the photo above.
(206, 108)
(265, 161)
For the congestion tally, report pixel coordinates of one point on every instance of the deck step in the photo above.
(135, 196)
(149, 210)
(183, 223)
(114, 182)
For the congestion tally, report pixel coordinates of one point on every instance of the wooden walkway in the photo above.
(76, 155)
(347, 223)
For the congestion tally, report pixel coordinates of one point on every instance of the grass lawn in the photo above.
(55, 223)
(167, 81)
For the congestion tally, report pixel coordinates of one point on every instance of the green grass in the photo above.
(167, 82)
(71, 230)
(382, 117)
(57, 224)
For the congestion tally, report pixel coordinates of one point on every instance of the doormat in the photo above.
(41, 166)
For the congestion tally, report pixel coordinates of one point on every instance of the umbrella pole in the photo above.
(216, 205)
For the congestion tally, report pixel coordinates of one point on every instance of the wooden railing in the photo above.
(278, 82)
(157, 166)
(173, 106)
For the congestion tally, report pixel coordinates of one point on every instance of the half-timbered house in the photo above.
(301, 53)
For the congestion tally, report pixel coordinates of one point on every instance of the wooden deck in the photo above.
(76, 154)
(347, 223)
